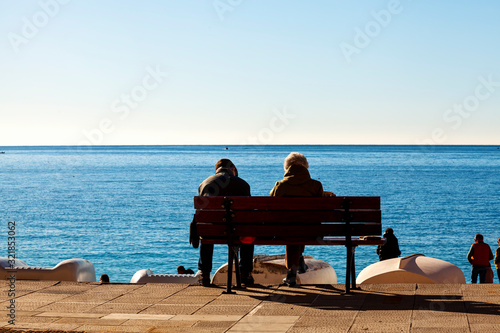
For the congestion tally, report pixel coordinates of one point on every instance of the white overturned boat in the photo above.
(79, 270)
(270, 270)
(415, 268)
(147, 276)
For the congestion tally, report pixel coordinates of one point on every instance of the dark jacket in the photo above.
(223, 183)
(390, 249)
(480, 254)
(297, 182)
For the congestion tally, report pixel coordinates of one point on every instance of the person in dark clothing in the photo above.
(182, 270)
(390, 249)
(479, 257)
(225, 182)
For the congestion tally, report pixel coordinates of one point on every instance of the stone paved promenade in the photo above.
(91, 307)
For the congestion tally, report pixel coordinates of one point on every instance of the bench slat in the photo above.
(288, 203)
(287, 216)
(207, 230)
(327, 241)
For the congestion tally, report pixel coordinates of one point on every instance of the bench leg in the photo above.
(230, 259)
(237, 266)
(348, 270)
(353, 268)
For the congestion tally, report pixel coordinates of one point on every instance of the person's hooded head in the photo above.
(225, 163)
(295, 159)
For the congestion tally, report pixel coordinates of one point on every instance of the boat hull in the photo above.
(270, 270)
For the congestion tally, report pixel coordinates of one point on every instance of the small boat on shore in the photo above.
(78, 270)
(270, 270)
(415, 268)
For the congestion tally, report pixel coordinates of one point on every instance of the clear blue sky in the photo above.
(249, 71)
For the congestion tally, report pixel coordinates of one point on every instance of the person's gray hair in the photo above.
(295, 158)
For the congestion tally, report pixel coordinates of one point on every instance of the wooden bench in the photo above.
(287, 221)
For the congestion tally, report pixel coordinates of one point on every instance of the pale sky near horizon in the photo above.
(249, 72)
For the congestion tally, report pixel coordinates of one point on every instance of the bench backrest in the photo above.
(287, 217)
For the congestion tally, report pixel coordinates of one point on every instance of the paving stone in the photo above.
(481, 289)
(197, 317)
(383, 316)
(485, 327)
(236, 300)
(119, 308)
(397, 288)
(320, 329)
(33, 319)
(98, 328)
(225, 309)
(46, 326)
(479, 318)
(260, 327)
(326, 321)
(201, 291)
(330, 311)
(439, 289)
(94, 297)
(91, 321)
(68, 307)
(171, 309)
(327, 301)
(447, 320)
(129, 316)
(217, 326)
(67, 287)
(380, 327)
(42, 297)
(269, 319)
(176, 327)
(31, 306)
(278, 309)
(441, 329)
(183, 300)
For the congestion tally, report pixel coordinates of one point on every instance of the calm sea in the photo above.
(127, 208)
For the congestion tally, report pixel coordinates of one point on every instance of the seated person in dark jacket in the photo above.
(390, 249)
(225, 182)
(296, 182)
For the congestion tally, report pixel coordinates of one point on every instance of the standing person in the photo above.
(479, 257)
(497, 260)
(225, 182)
(296, 182)
(390, 249)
